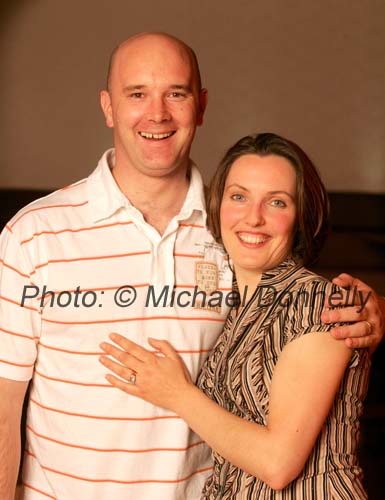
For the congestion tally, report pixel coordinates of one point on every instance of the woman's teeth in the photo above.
(253, 239)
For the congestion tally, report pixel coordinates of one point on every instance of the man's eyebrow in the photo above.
(131, 88)
(186, 88)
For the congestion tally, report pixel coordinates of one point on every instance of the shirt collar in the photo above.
(195, 198)
(105, 198)
(281, 275)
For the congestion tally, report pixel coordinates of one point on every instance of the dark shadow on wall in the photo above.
(8, 9)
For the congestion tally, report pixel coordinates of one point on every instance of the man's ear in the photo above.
(203, 96)
(105, 102)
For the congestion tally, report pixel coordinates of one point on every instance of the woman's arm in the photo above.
(305, 381)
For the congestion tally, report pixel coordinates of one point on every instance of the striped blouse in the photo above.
(237, 375)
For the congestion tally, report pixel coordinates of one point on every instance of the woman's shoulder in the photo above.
(310, 294)
(309, 285)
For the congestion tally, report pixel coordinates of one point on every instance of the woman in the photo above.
(278, 399)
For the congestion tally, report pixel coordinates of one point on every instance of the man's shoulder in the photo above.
(74, 195)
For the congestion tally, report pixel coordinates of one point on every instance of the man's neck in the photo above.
(159, 199)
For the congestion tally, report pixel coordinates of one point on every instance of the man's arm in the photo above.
(12, 395)
(367, 315)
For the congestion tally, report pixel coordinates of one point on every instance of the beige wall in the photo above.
(311, 70)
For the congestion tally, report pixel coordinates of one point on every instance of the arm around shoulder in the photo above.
(12, 395)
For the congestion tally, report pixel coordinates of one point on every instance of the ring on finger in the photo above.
(369, 327)
(132, 379)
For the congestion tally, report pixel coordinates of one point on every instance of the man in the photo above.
(67, 261)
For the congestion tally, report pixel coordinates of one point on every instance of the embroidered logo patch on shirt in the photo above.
(206, 276)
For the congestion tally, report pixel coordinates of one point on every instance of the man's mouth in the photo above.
(157, 137)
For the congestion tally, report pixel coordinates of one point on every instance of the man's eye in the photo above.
(137, 95)
(177, 95)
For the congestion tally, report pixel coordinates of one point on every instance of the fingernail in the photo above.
(103, 346)
(326, 315)
(113, 336)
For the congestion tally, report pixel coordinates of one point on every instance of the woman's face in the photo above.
(258, 212)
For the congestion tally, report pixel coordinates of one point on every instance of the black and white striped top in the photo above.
(237, 375)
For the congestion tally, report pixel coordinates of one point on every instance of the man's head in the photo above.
(154, 102)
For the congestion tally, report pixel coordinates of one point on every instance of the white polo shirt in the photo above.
(85, 439)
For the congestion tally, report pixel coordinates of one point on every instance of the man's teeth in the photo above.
(249, 238)
(147, 135)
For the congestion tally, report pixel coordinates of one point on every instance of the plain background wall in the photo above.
(312, 71)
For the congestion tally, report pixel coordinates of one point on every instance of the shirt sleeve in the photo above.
(19, 312)
(307, 304)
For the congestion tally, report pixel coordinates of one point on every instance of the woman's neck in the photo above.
(247, 282)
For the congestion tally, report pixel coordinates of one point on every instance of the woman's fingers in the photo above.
(131, 347)
(129, 388)
(121, 370)
(124, 357)
(163, 347)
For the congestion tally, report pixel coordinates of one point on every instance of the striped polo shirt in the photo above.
(76, 265)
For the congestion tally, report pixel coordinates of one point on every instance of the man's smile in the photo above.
(158, 137)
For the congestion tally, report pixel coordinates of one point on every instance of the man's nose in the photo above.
(158, 111)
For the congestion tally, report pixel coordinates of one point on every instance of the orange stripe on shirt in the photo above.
(64, 205)
(99, 353)
(26, 485)
(9, 332)
(11, 301)
(160, 481)
(80, 259)
(108, 386)
(14, 269)
(15, 364)
(124, 320)
(198, 226)
(67, 351)
(190, 255)
(98, 289)
(9, 228)
(98, 417)
(111, 450)
(78, 230)
(134, 285)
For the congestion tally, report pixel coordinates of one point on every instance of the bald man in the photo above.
(103, 255)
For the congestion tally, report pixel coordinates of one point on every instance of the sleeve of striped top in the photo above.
(307, 303)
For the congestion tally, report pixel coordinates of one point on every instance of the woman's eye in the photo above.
(278, 203)
(237, 197)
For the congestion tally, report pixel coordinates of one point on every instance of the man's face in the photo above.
(154, 106)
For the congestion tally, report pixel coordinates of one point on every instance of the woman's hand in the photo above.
(159, 377)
